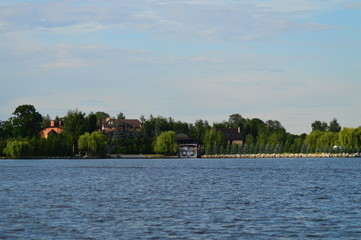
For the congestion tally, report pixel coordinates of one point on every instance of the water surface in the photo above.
(180, 199)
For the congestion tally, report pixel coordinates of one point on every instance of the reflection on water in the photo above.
(182, 199)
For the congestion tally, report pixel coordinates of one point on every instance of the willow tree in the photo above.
(18, 149)
(165, 143)
(93, 144)
(350, 138)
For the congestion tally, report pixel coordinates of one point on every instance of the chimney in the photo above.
(52, 123)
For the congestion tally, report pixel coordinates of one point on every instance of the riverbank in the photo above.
(285, 155)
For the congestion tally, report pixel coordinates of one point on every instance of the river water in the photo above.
(181, 199)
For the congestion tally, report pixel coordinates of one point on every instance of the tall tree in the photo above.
(92, 122)
(319, 126)
(26, 121)
(236, 120)
(101, 115)
(75, 125)
(334, 126)
(199, 129)
(120, 116)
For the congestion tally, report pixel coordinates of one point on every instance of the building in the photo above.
(53, 128)
(109, 125)
(233, 136)
(187, 146)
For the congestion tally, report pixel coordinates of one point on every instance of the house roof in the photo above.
(110, 122)
(184, 138)
(232, 133)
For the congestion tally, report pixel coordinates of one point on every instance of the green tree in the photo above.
(165, 143)
(92, 122)
(18, 149)
(199, 129)
(2, 146)
(327, 140)
(93, 144)
(6, 129)
(254, 127)
(215, 149)
(350, 138)
(56, 145)
(46, 120)
(312, 139)
(213, 136)
(120, 115)
(75, 125)
(236, 120)
(334, 126)
(319, 126)
(26, 121)
(250, 140)
(101, 115)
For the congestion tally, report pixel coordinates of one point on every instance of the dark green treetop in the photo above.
(26, 121)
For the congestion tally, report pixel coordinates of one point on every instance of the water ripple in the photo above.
(181, 199)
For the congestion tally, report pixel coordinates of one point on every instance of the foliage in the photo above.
(18, 148)
(2, 146)
(26, 121)
(321, 141)
(165, 143)
(46, 120)
(319, 126)
(92, 121)
(6, 129)
(213, 136)
(93, 144)
(199, 129)
(350, 138)
(120, 115)
(19, 136)
(334, 126)
(322, 126)
(74, 126)
(129, 142)
(101, 115)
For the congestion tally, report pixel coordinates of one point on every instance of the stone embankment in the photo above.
(286, 155)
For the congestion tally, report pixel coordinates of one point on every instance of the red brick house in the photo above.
(54, 127)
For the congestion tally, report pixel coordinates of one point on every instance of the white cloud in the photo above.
(234, 20)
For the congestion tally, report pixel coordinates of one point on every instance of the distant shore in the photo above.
(259, 155)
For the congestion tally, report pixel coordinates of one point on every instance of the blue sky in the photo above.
(293, 61)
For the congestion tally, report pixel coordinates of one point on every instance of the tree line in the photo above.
(19, 136)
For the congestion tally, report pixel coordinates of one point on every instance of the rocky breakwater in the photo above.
(285, 155)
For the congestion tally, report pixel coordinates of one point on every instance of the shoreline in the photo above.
(245, 156)
(286, 155)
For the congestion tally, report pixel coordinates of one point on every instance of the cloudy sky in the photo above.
(293, 61)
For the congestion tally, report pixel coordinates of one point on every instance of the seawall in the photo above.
(285, 155)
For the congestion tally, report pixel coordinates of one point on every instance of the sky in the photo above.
(292, 61)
